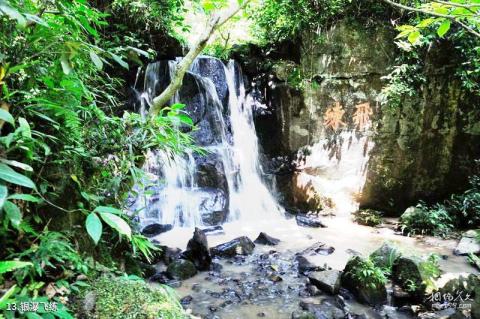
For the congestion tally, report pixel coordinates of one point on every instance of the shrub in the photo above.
(368, 273)
(368, 217)
(427, 221)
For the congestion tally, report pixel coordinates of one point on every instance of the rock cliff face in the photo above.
(415, 149)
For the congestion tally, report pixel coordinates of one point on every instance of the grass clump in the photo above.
(124, 298)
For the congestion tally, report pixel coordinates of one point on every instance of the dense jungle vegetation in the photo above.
(72, 145)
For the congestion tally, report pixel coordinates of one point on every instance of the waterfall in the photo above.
(223, 185)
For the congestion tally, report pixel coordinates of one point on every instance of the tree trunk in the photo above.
(215, 22)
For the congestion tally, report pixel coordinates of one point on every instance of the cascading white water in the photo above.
(170, 193)
(251, 198)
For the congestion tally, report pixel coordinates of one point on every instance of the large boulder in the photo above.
(385, 256)
(181, 269)
(371, 293)
(328, 280)
(469, 244)
(238, 246)
(407, 272)
(264, 239)
(197, 250)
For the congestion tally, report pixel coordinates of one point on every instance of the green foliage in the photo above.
(125, 298)
(368, 217)
(459, 211)
(279, 20)
(68, 150)
(427, 221)
(369, 274)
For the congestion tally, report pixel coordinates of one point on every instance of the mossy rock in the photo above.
(385, 256)
(368, 293)
(122, 298)
(407, 273)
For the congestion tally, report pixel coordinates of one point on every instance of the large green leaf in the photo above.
(11, 265)
(7, 117)
(117, 223)
(9, 175)
(5, 299)
(94, 227)
(13, 213)
(3, 195)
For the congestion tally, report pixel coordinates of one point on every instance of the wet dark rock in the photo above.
(186, 300)
(238, 246)
(468, 244)
(324, 310)
(389, 312)
(385, 256)
(264, 239)
(319, 249)
(153, 230)
(400, 296)
(214, 69)
(406, 273)
(328, 280)
(213, 206)
(275, 278)
(197, 250)
(261, 314)
(214, 230)
(366, 293)
(216, 267)
(181, 269)
(169, 254)
(305, 266)
(309, 221)
(313, 290)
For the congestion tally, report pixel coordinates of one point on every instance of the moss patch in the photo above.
(122, 298)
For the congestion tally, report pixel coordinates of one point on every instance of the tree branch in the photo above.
(216, 21)
(434, 14)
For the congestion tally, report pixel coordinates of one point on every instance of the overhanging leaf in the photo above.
(443, 28)
(9, 175)
(13, 213)
(94, 227)
(96, 60)
(108, 209)
(3, 194)
(117, 223)
(7, 117)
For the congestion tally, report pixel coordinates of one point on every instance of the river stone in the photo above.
(365, 293)
(385, 256)
(298, 314)
(469, 244)
(264, 239)
(328, 280)
(305, 266)
(238, 246)
(169, 254)
(309, 221)
(181, 269)
(407, 271)
(214, 230)
(197, 250)
(324, 310)
(153, 230)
